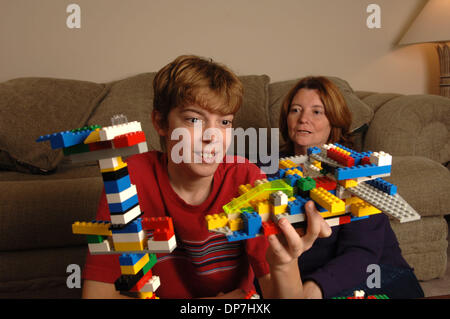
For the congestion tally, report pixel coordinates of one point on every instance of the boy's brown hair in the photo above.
(188, 80)
(336, 110)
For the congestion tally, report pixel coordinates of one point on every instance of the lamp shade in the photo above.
(431, 25)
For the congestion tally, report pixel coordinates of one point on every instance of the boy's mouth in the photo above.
(207, 157)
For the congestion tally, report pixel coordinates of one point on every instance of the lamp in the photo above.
(433, 25)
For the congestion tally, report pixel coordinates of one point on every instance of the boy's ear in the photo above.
(158, 123)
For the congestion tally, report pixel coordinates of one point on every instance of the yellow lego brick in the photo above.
(216, 220)
(91, 228)
(317, 164)
(278, 209)
(236, 224)
(244, 189)
(134, 269)
(341, 150)
(327, 214)
(348, 183)
(261, 206)
(352, 200)
(286, 164)
(120, 165)
(327, 200)
(131, 246)
(363, 209)
(93, 137)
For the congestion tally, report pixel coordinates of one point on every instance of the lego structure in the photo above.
(345, 185)
(360, 294)
(134, 239)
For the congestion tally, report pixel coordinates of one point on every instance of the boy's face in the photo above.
(196, 139)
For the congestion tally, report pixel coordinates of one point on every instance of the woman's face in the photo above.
(307, 122)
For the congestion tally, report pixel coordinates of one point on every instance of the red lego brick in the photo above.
(340, 157)
(365, 160)
(100, 146)
(157, 223)
(325, 182)
(129, 139)
(162, 234)
(270, 228)
(344, 220)
(142, 281)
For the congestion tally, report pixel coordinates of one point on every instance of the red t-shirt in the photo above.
(204, 263)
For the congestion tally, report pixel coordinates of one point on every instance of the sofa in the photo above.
(42, 193)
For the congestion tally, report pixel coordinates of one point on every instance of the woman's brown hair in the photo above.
(336, 110)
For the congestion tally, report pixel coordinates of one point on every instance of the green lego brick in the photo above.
(80, 148)
(95, 239)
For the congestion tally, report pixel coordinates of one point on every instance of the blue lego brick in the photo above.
(130, 259)
(65, 139)
(361, 171)
(313, 150)
(354, 218)
(134, 226)
(383, 185)
(291, 180)
(252, 223)
(238, 235)
(124, 206)
(121, 184)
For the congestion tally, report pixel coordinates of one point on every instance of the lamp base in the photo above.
(444, 60)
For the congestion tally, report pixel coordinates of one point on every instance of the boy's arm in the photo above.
(284, 279)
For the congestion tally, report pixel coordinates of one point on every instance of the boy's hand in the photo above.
(286, 248)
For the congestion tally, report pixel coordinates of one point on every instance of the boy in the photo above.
(188, 93)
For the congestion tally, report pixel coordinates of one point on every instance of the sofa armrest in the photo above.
(412, 125)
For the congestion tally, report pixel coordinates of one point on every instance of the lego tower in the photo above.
(134, 239)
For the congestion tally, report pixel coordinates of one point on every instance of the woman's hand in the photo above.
(284, 249)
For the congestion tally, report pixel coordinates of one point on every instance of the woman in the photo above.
(313, 113)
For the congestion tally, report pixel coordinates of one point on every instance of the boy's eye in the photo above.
(226, 122)
(193, 120)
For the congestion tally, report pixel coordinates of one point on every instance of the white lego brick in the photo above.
(126, 217)
(122, 196)
(162, 246)
(151, 285)
(128, 237)
(359, 293)
(291, 218)
(278, 198)
(333, 221)
(100, 248)
(110, 132)
(109, 163)
(380, 158)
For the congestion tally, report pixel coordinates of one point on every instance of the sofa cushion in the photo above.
(31, 107)
(133, 97)
(362, 114)
(423, 183)
(411, 125)
(424, 245)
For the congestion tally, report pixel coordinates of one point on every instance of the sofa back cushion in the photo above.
(31, 107)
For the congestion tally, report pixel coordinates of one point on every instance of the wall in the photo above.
(284, 39)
